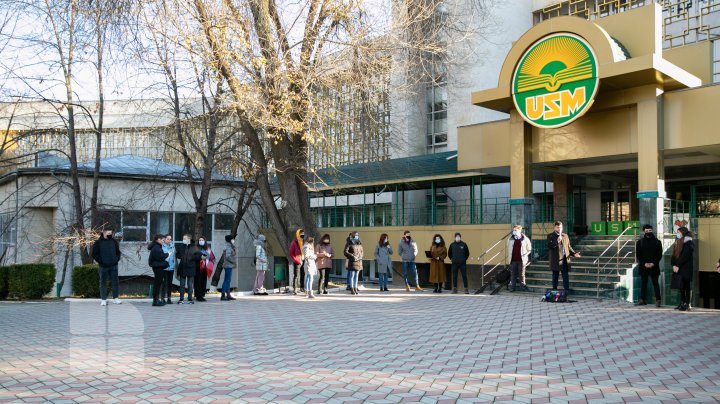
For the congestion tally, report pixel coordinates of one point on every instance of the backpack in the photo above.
(555, 296)
(503, 276)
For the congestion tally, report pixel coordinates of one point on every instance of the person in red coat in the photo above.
(297, 271)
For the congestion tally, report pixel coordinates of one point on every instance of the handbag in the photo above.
(676, 281)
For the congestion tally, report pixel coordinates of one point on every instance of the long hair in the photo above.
(442, 240)
(382, 237)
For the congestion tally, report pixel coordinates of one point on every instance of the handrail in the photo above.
(482, 257)
(616, 256)
(493, 246)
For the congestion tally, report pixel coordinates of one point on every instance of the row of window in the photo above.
(139, 226)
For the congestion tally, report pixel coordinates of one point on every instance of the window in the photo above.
(110, 219)
(8, 233)
(161, 223)
(135, 226)
(224, 221)
(436, 103)
(184, 224)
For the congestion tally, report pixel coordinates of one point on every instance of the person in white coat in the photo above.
(518, 255)
(261, 265)
(311, 271)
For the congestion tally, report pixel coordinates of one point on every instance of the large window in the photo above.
(137, 226)
(436, 102)
(8, 233)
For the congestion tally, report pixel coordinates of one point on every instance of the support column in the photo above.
(651, 169)
(521, 197)
(561, 189)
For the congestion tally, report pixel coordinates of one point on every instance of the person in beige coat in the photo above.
(519, 247)
(438, 253)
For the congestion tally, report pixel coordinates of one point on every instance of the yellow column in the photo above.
(521, 197)
(651, 170)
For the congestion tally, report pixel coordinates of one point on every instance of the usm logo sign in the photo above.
(555, 81)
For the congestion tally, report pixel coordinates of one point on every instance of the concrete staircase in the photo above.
(584, 280)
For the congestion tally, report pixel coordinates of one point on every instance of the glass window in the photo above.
(133, 234)
(161, 223)
(184, 224)
(224, 221)
(109, 219)
(135, 219)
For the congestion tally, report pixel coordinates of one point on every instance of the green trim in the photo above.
(521, 201)
(648, 194)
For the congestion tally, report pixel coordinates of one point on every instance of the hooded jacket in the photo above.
(407, 251)
(157, 258)
(354, 253)
(296, 249)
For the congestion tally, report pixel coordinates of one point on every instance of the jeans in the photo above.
(654, 275)
(324, 279)
(409, 270)
(167, 285)
(565, 276)
(158, 280)
(462, 268)
(517, 271)
(383, 278)
(226, 280)
(186, 280)
(112, 272)
(308, 282)
(353, 279)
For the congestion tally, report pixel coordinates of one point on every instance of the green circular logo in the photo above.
(556, 81)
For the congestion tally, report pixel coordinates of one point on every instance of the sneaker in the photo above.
(181, 302)
(407, 288)
(325, 292)
(190, 302)
(103, 302)
(117, 301)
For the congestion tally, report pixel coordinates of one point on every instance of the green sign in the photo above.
(556, 81)
(598, 228)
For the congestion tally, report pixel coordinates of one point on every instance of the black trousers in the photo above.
(299, 276)
(462, 268)
(158, 280)
(324, 279)
(654, 275)
(200, 284)
(167, 285)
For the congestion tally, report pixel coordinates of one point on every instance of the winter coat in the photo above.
(382, 257)
(323, 261)
(207, 261)
(157, 258)
(354, 253)
(106, 252)
(230, 256)
(296, 249)
(171, 258)
(407, 251)
(554, 251)
(685, 261)
(189, 256)
(458, 252)
(310, 257)
(437, 263)
(525, 249)
(261, 259)
(648, 250)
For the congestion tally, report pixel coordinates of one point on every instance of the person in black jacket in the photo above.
(106, 252)
(459, 254)
(158, 262)
(648, 252)
(189, 256)
(559, 254)
(683, 265)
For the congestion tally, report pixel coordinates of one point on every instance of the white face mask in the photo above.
(186, 241)
(678, 235)
(516, 233)
(232, 241)
(201, 243)
(437, 241)
(457, 239)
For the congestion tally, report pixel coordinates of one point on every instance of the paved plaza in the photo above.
(396, 347)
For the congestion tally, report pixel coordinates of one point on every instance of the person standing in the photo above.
(559, 253)
(158, 262)
(518, 255)
(261, 265)
(297, 258)
(169, 248)
(407, 249)
(205, 269)
(229, 264)
(383, 251)
(648, 252)
(438, 253)
(325, 253)
(459, 254)
(354, 254)
(189, 256)
(310, 265)
(683, 265)
(106, 252)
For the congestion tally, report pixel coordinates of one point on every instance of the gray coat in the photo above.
(230, 256)
(382, 256)
(408, 251)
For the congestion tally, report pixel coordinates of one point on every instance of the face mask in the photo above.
(201, 243)
(232, 241)
(437, 241)
(648, 235)
(356, 238)
(186, 241)
(326, 241)
(385, 240)
(302, 236)
(408, 237)
(678, 235)
(516, 233)
(108, 236)
(457, 239)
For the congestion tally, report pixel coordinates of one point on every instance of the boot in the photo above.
(683, 307)
(407, 287)
(440, 287)
(222, 296)
(158, 303)
(355, 291)
(168, 301)
(454, 291)
(640, 302)
(435, 288)
(228, 297)
(467, 292)
(657, 302)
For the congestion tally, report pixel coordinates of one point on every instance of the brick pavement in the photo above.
(398, 347)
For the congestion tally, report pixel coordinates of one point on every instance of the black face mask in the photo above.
(649, 235)
(302, 237)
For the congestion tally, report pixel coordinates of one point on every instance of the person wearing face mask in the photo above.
(518, 255)
(189, 256)
(204, 269)
(261, 265)
(169, 248)
(682, 263)
(383, 251)
(438, 253)
(354, 254)
(648, 252)
(158, 262)
(228, 265)
(106, 252)
(407, 249)
(296, 269)
(459, 254)
(559, 253)
(324, 253)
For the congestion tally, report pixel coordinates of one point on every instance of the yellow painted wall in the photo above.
(695, 58)
(637, 30)
(484, 146)
(691, 118)
(708, 241)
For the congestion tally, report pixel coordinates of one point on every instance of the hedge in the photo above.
(86, 281)
(3, 283)
(30, 281)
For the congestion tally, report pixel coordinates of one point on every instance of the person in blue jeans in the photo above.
(407, 249)
(228, 266)
(383, 251)
(169, 248)
(354, 253)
